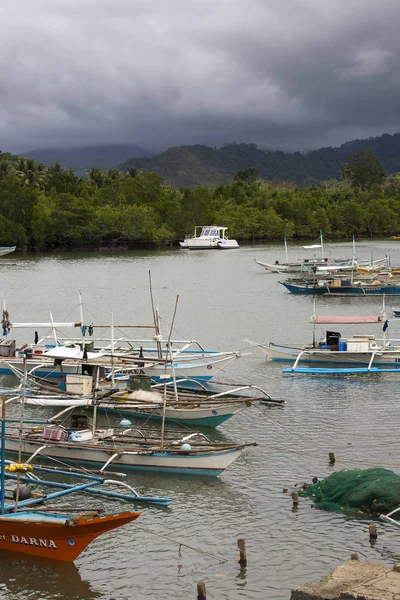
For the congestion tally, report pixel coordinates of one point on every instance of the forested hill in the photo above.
(82, 159)
(202, 165)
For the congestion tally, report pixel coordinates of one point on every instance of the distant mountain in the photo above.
(202, 165)
(87, 157)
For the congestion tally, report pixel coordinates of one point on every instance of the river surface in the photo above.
(224, 299)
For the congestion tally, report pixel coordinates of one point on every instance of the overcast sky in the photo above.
(285, 74)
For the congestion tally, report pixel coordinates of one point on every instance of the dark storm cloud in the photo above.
(280, 73)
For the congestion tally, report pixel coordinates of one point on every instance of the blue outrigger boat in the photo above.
(343, 289)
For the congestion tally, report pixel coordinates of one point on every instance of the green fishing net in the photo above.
(356, 491)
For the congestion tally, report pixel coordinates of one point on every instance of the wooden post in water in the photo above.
(354, 556)
(295, 498)
(242, 552)
(332, 458)
(201, 591)
(373, 531)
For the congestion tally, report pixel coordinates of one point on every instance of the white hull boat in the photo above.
(210, 237)
(6, 250)
(355, 354)
(184, 457)
(201, 367)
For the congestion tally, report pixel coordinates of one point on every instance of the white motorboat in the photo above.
(209, 237)
(6, 250)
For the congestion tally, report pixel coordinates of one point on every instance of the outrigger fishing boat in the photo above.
(68, 355)
(338, 354)
(141, 400)
(133, 449)
(52, 533)
(192, 454)
(304, 264)
(342, 287)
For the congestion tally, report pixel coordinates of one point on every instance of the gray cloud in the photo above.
(288, 74)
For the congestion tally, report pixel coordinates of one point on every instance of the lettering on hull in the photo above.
(29, 541)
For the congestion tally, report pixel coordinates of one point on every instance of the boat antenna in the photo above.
(168, 354)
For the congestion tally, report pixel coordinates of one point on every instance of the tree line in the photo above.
(44, 209)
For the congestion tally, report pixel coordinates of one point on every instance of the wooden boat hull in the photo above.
(199, 417)
(56, 537)
(189, 462)
(199, 368)
(210, 416)
(366, 290)
(6, 250)
(388, 358)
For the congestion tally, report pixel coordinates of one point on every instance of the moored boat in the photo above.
(209, 237)
(342, 287)
(124, 451)
(7, 250)
(356, 353)
(56, 536)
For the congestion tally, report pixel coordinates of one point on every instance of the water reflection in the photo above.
(28, 577)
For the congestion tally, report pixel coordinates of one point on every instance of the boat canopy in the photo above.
(346, 320)
(70, 352)
(312, 247)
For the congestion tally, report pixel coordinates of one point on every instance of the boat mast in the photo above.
(286, 251)
(314, 319)
(168, 354)
(156, 320)
(54, 329)
(322, 243)
(353, 260)
(384, 321)
(3, 453)
(21, 425)
(81, 316)
(112, 351)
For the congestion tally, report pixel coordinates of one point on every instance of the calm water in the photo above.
(224, 297)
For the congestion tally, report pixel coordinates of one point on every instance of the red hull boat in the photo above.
(59, 537)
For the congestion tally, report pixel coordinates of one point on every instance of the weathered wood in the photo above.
(354, 556)
(201, 591)
(373, 531)
(332, 458)
(295, 498)
(242, 552)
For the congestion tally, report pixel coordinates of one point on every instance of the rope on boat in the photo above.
(183, 545)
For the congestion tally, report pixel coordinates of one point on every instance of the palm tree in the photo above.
(31, 173)
(4, 169)
(113, 175)
(96, 177)
(133, 172)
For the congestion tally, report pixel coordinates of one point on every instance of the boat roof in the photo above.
(212, 227)
(64, 352)
(346, 320)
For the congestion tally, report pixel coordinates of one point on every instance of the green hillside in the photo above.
(202, 165)
(81, 159)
